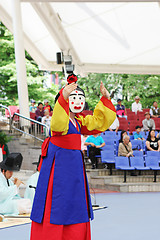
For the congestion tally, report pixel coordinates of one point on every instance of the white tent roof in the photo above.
(113, 37)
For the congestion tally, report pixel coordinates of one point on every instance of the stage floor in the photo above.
(129, 216)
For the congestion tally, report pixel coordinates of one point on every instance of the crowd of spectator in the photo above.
(145, 125)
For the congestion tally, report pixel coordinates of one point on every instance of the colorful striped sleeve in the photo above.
(103, 116)
(60, 117)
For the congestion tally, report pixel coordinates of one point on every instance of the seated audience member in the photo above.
(46, 119)
(152, 142)
(95, 143)
(32, 108)
(120, 109)
(136, 106)
(47, 106)
(155, 111)
(148, 123)
(122, 134)
(39, 112)
(125, 147)
(115, 125)
(10, 201)
(32, 183)
(137, 135)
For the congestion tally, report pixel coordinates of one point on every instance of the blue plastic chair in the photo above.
(107, 156)
(137, 153)
(153, 154)
(109, 147)
(153, 164)
(137, 144)
(122, 163)
(110, 134)
(138, 163)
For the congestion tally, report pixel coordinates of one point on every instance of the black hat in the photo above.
(137, 127)
(119, 100)
(12, 162)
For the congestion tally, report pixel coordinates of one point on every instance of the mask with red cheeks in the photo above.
(76, 101)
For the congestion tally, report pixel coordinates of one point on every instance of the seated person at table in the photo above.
(95, 143)
(148, 123)
(152, 142)
(120, 109)
(115, 125)
(10, 201)
(125, 148)
(155, 111)
(137, 135)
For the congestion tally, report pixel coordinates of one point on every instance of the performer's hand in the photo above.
(68, 89)
(104, 91)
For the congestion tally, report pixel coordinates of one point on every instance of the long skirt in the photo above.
(48, 231)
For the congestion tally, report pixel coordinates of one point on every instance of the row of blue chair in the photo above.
(109, 157)
(137, 163)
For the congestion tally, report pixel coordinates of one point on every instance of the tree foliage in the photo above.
(8, 77)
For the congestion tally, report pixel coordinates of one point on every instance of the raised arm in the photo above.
(103, 116)
(60, 116)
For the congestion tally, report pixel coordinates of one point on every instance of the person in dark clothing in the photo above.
(153, 143)
(122, 134)
(39, 112)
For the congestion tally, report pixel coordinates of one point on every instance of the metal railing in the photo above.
(25, 125)
(30, 127)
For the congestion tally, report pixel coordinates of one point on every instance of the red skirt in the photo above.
(48, 231)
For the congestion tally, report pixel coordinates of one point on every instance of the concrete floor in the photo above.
(128, 216)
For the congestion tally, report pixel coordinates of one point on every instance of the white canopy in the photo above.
(102, 37)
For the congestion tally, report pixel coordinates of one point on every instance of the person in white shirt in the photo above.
(46, 119)
(10, 201)
(136, 106)
(115, 125)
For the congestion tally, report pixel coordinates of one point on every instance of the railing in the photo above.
(30, 127)
(25, 125)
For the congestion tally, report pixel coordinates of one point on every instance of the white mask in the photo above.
(76, 101)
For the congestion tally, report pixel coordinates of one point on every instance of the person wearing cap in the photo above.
(32, 108)
(148, 123)
(136, 106)
(62, 205)
(10, 201)
(155, 111)
(120, 109)
(32, 183)
(47, 106)
(138, 135)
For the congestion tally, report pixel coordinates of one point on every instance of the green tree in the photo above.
(8, 77)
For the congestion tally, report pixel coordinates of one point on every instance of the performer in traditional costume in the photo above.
(62, 207)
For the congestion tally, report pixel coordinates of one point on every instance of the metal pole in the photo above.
(20, 59)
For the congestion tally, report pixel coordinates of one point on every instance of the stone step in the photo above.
(102, 180)
(129, 187)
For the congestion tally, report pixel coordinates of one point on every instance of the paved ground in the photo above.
(128, 216)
